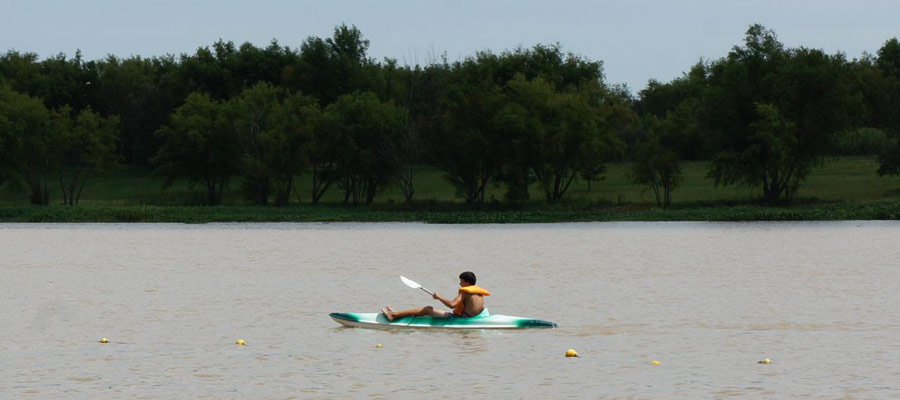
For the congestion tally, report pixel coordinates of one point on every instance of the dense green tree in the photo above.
(66, 82)
(299, 119)
(58, 80)
(368, 131)
(313, 72)
(563, 71)
(29, 144)
(133, 90)
(466, 147)
(207, 71)
(403, 85)
(555, 135)
(889, 58)
(255, 116)
(323, 154)
(251, 65)
(200, 144)
(143, 92)
(860, 142)
(87, 144)
(678, 105)
(525, 115)
(886, 108)
(10, 133)
(225, 69)
(616, 117)
(349, 55)
(274, 129)
(329, 68)
(419, 90)
(20, 71)
(7, 140)
(772, 113)
(657, 167)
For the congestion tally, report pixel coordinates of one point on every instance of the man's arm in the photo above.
(449, 303)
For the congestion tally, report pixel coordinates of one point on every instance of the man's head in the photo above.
(466, 278)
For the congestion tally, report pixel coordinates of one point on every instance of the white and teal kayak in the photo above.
(481, 321)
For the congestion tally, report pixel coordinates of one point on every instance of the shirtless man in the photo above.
(468, 303)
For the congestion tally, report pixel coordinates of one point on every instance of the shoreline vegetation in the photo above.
(844, 188)
(324, 133)
(450, 214)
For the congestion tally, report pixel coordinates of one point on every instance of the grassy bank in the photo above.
(306, 213)
(842, 189)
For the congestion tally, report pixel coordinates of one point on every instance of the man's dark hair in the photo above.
(468, 276)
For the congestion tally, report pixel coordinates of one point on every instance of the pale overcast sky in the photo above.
(636, 40)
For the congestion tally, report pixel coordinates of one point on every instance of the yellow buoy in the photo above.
(571, 353)
(378, 345)
(104, 340)
(240, 342)
(655, 362)
(766, 361)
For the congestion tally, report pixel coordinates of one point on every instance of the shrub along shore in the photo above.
(841, 189)
(447, 214)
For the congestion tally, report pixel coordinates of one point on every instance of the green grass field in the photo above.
(133, 194)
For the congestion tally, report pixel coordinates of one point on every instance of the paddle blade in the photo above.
(408, 282)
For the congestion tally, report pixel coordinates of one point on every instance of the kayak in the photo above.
(481, 321)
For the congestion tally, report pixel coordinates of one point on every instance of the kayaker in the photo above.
(468, 303)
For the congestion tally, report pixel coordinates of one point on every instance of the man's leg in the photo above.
(418, 312)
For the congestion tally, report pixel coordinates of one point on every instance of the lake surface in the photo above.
(707, 300)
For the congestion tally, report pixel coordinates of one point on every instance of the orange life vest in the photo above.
(473, 289)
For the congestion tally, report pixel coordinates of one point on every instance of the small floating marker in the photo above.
(766, 361)
(571, 353)
(104, 340)
(240, 342)
(378, 345)
(655, 362)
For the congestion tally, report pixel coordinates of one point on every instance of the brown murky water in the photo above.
(707, 300)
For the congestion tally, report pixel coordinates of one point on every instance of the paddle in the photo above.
(414, 285)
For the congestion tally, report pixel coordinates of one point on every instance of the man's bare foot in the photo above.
(388, 313)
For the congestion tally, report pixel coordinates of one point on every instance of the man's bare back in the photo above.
(473, 304)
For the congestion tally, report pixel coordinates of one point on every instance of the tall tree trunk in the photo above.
(283, 195)
(315, 184)
(62, 185)
(81, 187)
(656, 194)
(371, 190)
(566, 182)
(319, 184)
(221, 190)
(348, 190)
(211, 193)
(40, 194)
(406, 183)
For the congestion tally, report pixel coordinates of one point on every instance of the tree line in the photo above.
(764, 116)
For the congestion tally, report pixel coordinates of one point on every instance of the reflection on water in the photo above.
(708, 300)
